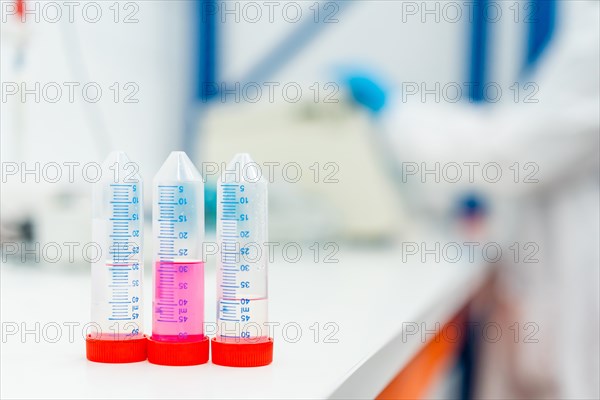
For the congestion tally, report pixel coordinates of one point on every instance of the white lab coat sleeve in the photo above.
(550, 140)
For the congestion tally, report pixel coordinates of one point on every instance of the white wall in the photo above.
(388, 37)
(153, 53)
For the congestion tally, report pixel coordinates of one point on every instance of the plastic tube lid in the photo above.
(242, 354)
(178, 353)
(116, 351)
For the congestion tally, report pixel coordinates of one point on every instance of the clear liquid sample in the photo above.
(253, 311)
(242, 304)
(117, 231)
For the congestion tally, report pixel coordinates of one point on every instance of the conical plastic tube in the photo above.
(117, 273)
(242, 304)
(178, 228)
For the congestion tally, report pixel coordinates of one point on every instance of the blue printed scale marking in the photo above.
(229, 303)
(124, 250)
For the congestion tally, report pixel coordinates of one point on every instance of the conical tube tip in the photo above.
(178, 167)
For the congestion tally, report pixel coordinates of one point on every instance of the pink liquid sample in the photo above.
(178, 307)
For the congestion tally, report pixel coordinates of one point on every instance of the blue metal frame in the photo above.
(207, 47)
(479, 51)
(542, 22)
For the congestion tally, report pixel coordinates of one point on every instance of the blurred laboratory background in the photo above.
(384, 122)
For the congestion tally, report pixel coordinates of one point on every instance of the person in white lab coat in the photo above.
(559, 213)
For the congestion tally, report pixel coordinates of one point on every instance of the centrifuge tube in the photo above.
(242, 338)
(178, 226)
(117, 271)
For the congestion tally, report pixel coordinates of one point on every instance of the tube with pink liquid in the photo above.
(178, 300)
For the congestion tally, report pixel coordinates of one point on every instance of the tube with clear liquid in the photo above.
(117, 271)
(178, 300)
(242, 338)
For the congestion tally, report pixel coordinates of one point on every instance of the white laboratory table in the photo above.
(369, 296)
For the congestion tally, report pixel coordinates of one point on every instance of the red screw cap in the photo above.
(242, 354)
(178, 353)
(116, 351)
